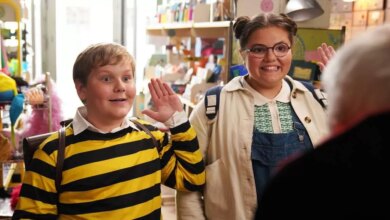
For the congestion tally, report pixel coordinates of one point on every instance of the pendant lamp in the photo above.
(302, 10)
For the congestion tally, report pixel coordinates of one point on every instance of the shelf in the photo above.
(216, 24)
(204, 29)
(184, 25)
(167, 26)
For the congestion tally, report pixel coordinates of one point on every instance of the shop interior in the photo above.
(187, 43)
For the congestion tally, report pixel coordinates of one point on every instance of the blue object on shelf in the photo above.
(7, 96)
(238, 70)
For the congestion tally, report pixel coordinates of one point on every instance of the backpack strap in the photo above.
(211, 101)
(60, 157)
(147, 131)
(317, 93)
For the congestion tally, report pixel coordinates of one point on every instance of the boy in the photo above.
(111, 168)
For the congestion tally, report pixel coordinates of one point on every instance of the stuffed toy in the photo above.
(39, 121)
(8, 89)
(9, 94)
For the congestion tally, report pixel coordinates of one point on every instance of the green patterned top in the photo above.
(263, 119)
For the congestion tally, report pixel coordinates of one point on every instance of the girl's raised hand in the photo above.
(326, 53)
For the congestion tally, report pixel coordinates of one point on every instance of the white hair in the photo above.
(357, 78)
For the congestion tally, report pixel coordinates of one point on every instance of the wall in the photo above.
(254, 7)
(143, 47)
(68, 27)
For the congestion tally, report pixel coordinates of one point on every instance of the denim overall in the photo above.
(269, 149)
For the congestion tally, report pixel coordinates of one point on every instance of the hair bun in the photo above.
(239, 25)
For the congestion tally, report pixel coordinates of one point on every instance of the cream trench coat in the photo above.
(230, 191)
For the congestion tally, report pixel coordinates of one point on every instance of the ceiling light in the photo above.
(302, 10)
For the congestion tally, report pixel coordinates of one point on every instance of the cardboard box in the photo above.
(202, 13)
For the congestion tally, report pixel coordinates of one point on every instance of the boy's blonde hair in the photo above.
(98, 55)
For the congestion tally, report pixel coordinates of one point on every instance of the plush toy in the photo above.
(9, 94)
(8, 89)
(40, 121)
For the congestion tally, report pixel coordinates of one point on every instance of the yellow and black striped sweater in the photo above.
(110, 176)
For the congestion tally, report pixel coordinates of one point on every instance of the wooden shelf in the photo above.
(167, 26)
(182, 29)
(184, 25)
(216, 24)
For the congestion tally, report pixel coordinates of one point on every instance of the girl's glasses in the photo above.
(259, 51)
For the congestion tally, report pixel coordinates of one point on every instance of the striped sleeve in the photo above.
(182, 162)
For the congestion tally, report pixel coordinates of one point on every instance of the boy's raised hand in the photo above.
(165, 100)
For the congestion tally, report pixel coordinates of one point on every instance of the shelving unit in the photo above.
(200, 29)
(181, 33)
(219, 29)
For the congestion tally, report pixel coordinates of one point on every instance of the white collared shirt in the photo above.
(80, 123)
(260, 100)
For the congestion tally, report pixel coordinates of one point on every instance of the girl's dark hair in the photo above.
(244, 26)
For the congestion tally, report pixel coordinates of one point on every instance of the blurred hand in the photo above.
(165, 100)
(326, 53)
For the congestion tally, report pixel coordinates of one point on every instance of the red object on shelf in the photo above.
(15, 196)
